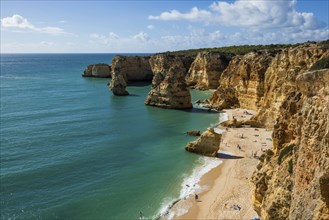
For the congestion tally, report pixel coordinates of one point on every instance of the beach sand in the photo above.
(227, 189)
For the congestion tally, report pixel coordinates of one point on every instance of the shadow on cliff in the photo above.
(227, 156)
(201, 110)
(139, 83)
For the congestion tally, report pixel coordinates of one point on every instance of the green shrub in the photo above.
(285, 151)
(290, 166)
(321, 64)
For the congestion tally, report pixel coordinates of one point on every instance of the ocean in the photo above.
(72, 150)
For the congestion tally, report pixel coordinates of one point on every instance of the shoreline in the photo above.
(226, 189)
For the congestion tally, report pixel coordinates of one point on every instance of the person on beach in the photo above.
(196, 197)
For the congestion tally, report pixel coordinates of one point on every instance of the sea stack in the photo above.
(129, 68)
(100, 70)
(169, 89)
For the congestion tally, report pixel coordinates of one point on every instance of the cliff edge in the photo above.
(292, 181)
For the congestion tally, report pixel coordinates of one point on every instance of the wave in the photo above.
(190, 186)
(20, 77)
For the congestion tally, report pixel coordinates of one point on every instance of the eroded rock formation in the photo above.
(280, 77)
(169, 89)
(242, 83)
(206, 70)
(207, 144)
(126, 69)
(101, 70)
(261, 80)
(292, 181)
(133, 68)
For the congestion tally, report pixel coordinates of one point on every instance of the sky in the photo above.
(156, 26)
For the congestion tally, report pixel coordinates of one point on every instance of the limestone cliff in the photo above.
(207, 144)
(206, 70)
(242, 84)
(169, 89)
(281, 75)
(261, 80)
(133, 68)
(101, 70)
(129, 68)
(292, 181)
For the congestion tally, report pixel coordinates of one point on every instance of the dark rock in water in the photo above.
(193, 133)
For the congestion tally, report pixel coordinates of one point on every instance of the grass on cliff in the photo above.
(243, 49)
(285, 151)
(236, 50)
(290, 166)
(321, 64)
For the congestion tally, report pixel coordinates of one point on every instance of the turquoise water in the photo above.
(72, 150)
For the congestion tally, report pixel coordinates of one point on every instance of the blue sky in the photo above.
(156, 26)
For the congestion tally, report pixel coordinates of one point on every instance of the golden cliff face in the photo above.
(206, 70)
(242, 82)
(261, 81)
(292, 181)
(281, 75)
(169, 89)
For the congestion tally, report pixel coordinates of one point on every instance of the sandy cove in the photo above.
(227, 193)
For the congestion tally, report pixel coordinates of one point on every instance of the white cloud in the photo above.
(251, 14)
(113, 38)
(150, 27)
(200, 38)
(18, 22)
(142, 36)
(194, 15)
(47, 43)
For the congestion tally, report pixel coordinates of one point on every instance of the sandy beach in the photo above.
(226, 188)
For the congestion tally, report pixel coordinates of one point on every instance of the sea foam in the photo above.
(190, 186)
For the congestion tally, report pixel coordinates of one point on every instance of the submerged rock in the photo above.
(193, 133)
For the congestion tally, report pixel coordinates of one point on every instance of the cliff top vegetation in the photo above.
(242, 49)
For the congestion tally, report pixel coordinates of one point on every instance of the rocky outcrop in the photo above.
(242, 83)
(100, 70)
(169, 89)
(129, 68)
(207, 144)
(292, 180)
(133, 68)
(206, 70)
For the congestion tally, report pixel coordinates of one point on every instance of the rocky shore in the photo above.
(287, 91)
